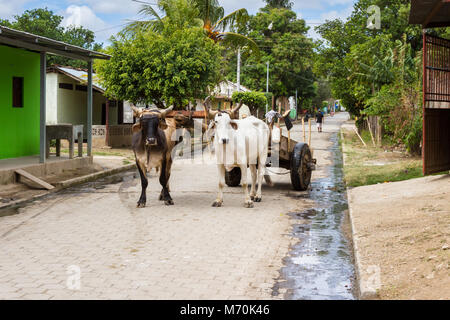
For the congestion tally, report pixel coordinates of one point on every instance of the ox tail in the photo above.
(268, 180)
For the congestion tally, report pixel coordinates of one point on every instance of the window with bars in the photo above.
(67, 86)
(80, 87)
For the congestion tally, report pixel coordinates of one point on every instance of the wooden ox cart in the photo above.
(294, 156)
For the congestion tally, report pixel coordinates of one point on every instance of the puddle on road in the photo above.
(320, 265)
(11, 211)
(101, 183)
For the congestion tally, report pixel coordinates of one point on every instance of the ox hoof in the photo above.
(140, 205)
(248, 204)
(257, 199)
(217, 204)
(161, 198)
(169, 202)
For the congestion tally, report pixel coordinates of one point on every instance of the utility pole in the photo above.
(267, 83)
(239, 70)
(296, 107)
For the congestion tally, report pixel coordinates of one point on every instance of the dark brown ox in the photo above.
(152, 145)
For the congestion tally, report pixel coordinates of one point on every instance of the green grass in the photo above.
(367, 175)
(102, 153)
(359, 169)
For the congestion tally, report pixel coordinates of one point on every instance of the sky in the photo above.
(107, 17)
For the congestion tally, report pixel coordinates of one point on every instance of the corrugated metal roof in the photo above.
(80, 75)
(226, 88)
(37, 43)
(430, 13)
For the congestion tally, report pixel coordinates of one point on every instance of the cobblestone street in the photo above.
(91, 242)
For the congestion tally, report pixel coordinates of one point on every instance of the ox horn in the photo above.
(236, 109)
(207, 107)
(212, 113)
(136, 111)
(165, 111)
(207, 101)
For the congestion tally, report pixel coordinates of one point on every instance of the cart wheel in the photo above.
(300, 172)
(233, 177)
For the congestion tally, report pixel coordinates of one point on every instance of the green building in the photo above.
(19, 102)
(22, 90)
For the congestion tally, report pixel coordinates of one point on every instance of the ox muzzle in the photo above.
(151, 142)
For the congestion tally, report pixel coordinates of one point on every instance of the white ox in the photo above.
(240, 143)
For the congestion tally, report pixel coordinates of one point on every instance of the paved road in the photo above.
(92, 241)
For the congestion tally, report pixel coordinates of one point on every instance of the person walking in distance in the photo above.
(319, 120)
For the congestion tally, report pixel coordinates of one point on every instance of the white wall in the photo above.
(51, 98)
(70, 106)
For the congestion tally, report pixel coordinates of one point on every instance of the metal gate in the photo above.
(436, 104)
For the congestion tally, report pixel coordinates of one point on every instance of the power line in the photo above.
(112, 27)
(138, 1)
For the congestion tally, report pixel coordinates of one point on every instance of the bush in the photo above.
(414, 137)
(254, 100)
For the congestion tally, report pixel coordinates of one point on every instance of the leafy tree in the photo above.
(322, 92)
(254, 100)
(284, 44)
(279, 4)
(341, 38)
(398, 102)
(173, 67)
(377, 72)
(46, 23)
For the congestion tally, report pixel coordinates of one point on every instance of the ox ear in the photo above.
(234, 125)
(162, 124)
(136, 127)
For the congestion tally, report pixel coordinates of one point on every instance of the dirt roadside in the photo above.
(401, 235)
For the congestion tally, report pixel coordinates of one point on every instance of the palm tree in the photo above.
(178, 13)
(190, 13)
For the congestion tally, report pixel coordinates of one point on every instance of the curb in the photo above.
(364, 290)
(93, 176)
(70, 183)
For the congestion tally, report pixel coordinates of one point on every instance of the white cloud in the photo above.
(307, 5)
(335, 14)
(252, 6)
(8, 8)
(330, 15)
(84, 16)
(112, 6)
(339, 2)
